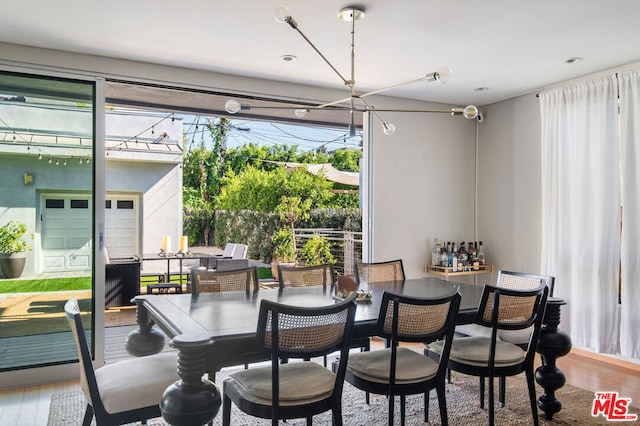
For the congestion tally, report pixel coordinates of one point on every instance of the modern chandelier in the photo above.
(356, 102)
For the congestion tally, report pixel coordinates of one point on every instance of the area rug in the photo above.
(67, 408)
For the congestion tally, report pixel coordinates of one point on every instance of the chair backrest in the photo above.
(302, 332)
(240, 251)
(522, 281)
(88, 382)
(305, 276)
(379, 271)
(410, 319)
(229, 248)
(509, 309)
(245, 279)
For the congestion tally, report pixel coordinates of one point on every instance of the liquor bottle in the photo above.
(434, 252)
(463, 256)
(444, 259)
(454, 262)
(481, 258)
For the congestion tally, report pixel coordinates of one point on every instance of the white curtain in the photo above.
(630, 173)
(581, 208)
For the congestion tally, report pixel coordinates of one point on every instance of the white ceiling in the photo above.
(511, 47)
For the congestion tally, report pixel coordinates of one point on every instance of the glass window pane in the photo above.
(46, 131)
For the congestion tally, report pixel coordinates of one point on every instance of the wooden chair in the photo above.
(245, 279)
(379, 271)
(398, 370)
(295, 389)
(123, 392)
(317, 275)
(516, 281)
(500, 309)
(305, 276)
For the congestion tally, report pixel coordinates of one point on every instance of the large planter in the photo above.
(12, 264)
(274, 268)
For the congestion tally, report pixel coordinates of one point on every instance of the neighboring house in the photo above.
(46, 170)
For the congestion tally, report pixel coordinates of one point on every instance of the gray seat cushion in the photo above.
(300, 383)
(517, 337)
(475, 351)
(411, 366)
(136, 383)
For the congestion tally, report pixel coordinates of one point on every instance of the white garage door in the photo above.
(121, 226)
(66, 232)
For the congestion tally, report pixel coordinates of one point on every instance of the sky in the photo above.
(242, 132)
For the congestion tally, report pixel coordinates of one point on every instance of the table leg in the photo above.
(147, 339)
(191, 400)
(552, 344)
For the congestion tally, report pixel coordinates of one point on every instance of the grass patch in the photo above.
(44, 285)
(264, 273)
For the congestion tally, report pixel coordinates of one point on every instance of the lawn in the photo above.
(45, 285)
(77, 283)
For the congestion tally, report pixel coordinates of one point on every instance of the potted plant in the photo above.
(291, 209)
(12, 249)
(283, 250)
(317, 251)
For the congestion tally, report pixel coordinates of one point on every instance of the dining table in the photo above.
(216, 330)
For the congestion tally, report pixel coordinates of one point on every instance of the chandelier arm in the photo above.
(395, 86)
(344, 80)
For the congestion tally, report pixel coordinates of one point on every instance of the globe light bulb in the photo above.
(232, 106)
(282, 14)
(443, 75)
(470, 112)
(301, 112)
(388, 128)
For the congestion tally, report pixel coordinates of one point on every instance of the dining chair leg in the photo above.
(309, 421)
(481, 392)
(226, 411)
(426, 406)
(502, 382)
(442, 405)
(532, 395)
(88, 415)
(391, 399)
(491, 401)
(403, 400)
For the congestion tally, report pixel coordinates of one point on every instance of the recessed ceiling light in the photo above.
(288, 58)
(481, 89)
(573, 60)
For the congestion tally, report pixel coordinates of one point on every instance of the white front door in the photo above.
(66, 224)
(121, 226)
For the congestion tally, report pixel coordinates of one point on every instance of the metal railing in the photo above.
(346, 246)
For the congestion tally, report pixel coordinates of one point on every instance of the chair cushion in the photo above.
(136, 383)
(517, 337)
(475, 351)
(373, 366)
(300, 383)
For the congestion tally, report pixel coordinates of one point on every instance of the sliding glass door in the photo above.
(47, 205)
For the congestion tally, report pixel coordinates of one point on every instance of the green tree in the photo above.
(262, 190)
(346, 160)
(292, 209)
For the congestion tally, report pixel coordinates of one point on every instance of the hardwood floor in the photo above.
(30, 405)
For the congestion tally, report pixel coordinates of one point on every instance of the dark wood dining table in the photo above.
(217, 330)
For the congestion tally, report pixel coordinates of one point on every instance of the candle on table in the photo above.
(184, 244)
(166, 243)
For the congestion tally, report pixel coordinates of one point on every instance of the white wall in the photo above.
(422, 186)
(161, 188)
(509, 184)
